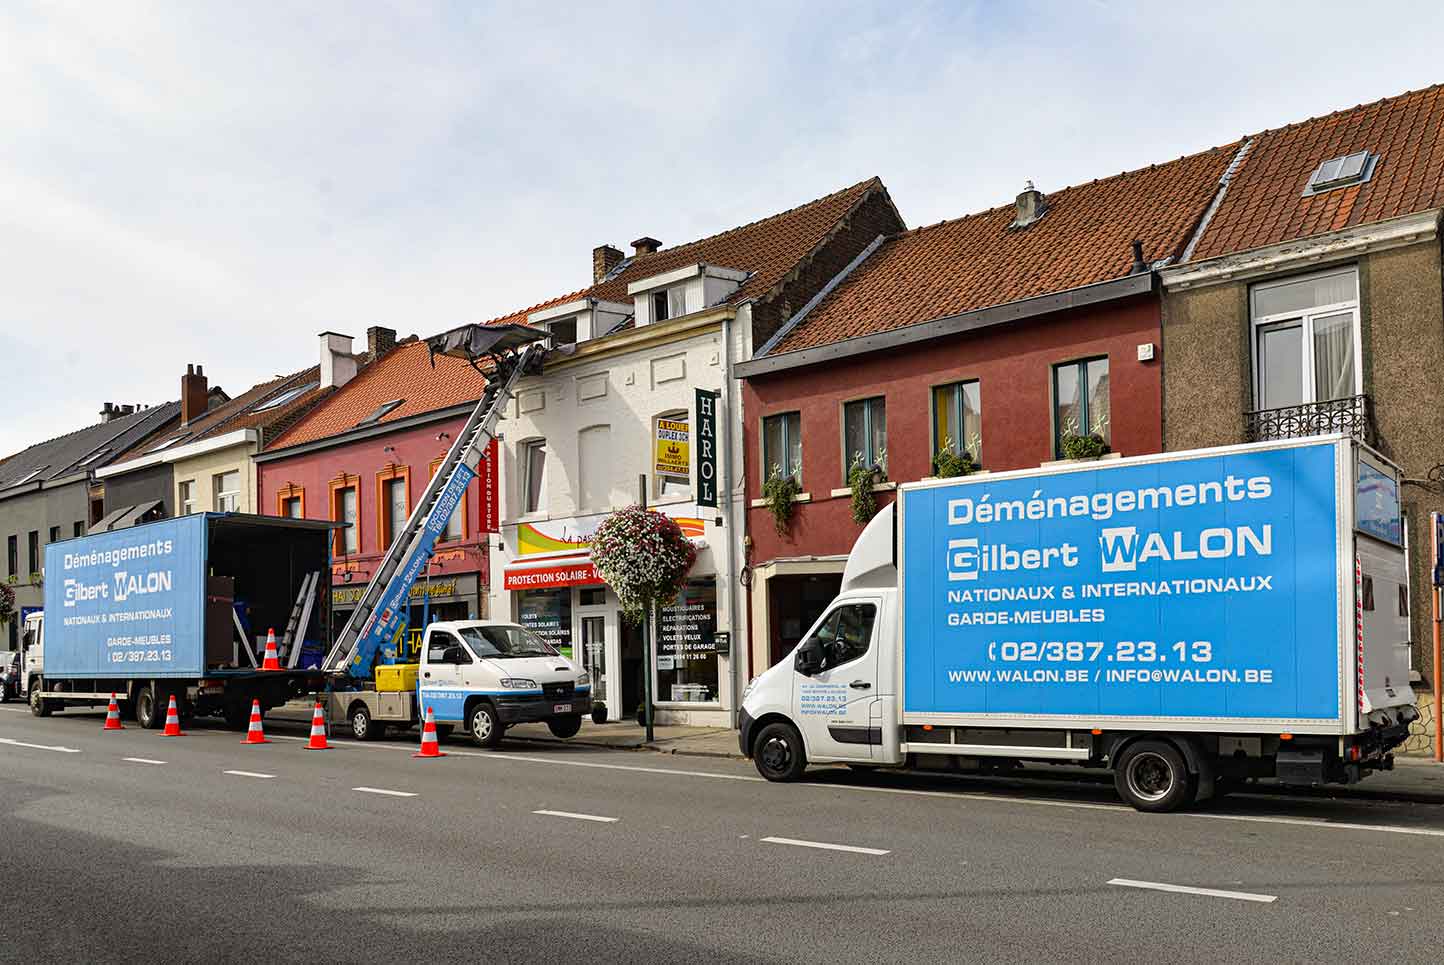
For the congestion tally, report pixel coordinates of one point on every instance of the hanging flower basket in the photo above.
(7, 603)
(644, 557)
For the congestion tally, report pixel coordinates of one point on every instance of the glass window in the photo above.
(288, 396)
(864, 434)
(393, 495)
(79, 528)
(659, 307)
(12, 555)
(502, 642)
(595, 449)
(1080, 395)
(187, 494)
(438, 643)
(291, 506)
(548, 614)
(34, 547)
(669, 303)
(1305, 336)
(782, 445)
(347, 540)
(686, 645)
(563, 331)
(534, 465)
(958, 419)
(672, 438)
(381, 412)
(845, 634)
(228, 491)
(54, 534)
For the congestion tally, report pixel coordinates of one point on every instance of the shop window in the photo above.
(1080, 398)
(548, 614)
(846, 634)
(1306, 340)
(227, 486)
(782, 445)
(186, 497)
(592, 596)
(456, 523)
(672, 463)
(686, 645)
(958, 419)
(864, 434)
(345, 504)
(533, 481)
(597, 461)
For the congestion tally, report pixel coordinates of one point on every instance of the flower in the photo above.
(644, 556)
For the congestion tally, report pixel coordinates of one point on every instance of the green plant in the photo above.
(949, 462)
(779, 492)
(1077, 446)
(7, 603)
(37, 579)
(860, 479)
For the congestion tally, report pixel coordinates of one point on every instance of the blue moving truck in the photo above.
(176, 608)
(1187, 620)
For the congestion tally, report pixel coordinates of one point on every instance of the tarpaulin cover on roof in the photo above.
(475, 341)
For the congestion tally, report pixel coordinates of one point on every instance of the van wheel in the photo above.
(147, 713)
(39, 706)
(1152, 776)
(363, 728)
(485, 728)
(778, 753)
(565, 727)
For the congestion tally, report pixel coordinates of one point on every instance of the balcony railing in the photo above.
(1354, 415)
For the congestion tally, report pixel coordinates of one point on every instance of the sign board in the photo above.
(128, 603)
(490, 476)
(1200, 587)
(343, 596)
(575, 573)
(706, 489)
(673, 445)
(722, 642)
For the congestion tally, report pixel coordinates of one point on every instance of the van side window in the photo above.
(439, 642)
(846, 634)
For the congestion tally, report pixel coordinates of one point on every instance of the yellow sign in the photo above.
(673, 457)
(348, 595)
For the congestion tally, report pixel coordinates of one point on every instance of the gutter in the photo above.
(961, 323)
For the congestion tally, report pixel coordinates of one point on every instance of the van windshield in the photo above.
(494, 643)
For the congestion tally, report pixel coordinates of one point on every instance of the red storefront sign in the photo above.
(566, 573)
(490, 513)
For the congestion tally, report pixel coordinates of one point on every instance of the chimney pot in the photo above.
(1139, 265)
(645, 245)
(195, 394)
(1031, 205)
(107, 412)
(604, 259)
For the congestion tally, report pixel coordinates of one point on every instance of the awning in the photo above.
(559, 572)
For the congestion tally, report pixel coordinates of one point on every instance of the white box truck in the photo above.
(1186, 620)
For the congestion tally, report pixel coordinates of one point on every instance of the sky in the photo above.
(216, 183)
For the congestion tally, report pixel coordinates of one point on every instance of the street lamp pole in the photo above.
(646, 630)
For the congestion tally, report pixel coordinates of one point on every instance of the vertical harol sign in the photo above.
(707, 447)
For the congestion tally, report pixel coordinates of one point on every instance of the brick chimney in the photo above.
(337, 364)
(645, 245)
(379, 341)
(1031, 205)
(195, 394)
(604, 259)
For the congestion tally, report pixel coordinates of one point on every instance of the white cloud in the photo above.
(218, 182)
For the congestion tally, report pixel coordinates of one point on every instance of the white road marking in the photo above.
(141, 760)
(1332, 825)
(824, 846)
(578, 817)
(39, 747)
(1185, 890)
(382, 790)
(15, 710)
(249, 774)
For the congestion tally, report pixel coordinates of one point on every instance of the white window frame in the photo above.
(524, 450)
(221, 495)
(186, 496)
(1306, 321)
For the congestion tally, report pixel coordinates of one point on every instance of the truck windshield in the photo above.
(498, 642)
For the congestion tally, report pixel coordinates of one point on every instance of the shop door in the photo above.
(595, 660)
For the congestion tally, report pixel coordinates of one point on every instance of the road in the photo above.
(132, 847)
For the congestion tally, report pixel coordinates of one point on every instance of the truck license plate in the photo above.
(562, 709)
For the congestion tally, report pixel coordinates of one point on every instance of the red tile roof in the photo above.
(979, 260)
(770, 249)
(1264, 204)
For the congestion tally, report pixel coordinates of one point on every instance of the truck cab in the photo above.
(482, 675)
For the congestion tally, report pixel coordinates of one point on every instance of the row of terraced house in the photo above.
(1285, 284)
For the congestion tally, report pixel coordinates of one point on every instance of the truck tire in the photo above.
(148, 712)
(778, 752)
(485, 726)
(1153, 776)
(237, 714)
(565, 727)
(39, 706)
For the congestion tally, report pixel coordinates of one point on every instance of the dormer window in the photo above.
(563, 331)
(1342, 172)
(669, 303)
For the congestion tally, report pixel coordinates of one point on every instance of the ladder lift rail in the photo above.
(378, 613)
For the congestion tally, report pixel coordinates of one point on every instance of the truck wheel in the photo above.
(363, 727)
(39, 706)
(485, 728)
(565, 727)
(237, 714)
(778, 753)
(147, 712)
(1152, 776)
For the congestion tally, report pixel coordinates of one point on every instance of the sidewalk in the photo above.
(626, 735)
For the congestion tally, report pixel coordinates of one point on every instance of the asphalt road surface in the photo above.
(130, 847)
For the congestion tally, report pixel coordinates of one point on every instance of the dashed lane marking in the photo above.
(250, 774)
(824, 846)
(1186, 890)
(579, 817)
(39, 747)
(384, 791)
(142, 760)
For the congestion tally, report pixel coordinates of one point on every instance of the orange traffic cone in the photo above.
(254, 735)
(272, 660)
(318, 731)
(172, 721)
(430, 746)
(112, 715)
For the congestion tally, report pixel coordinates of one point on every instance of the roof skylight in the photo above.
(167, 444)
(1341, 172)
(285, 397)
(383, 410)
(27, 477)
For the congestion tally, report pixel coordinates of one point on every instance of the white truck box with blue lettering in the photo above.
(1189, 620)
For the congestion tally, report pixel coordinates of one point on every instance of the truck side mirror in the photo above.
(809, 658)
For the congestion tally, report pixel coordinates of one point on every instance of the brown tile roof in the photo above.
(979, 261)
(1265, 204)
(770, 249)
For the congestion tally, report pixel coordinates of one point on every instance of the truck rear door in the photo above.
(1382, 587)
(833, 706)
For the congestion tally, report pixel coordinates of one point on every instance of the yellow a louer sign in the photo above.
(673, 456)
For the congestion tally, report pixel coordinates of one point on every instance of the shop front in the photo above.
(452, 597)
(555, 590)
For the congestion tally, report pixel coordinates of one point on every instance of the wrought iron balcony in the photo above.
(1354, 415)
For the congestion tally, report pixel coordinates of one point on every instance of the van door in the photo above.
(442, 683)
(835, 684)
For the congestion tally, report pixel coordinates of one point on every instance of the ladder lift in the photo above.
(512, 351)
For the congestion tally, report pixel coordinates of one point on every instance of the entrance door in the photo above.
(834, 705)
(594, 658)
